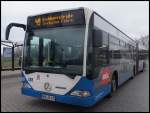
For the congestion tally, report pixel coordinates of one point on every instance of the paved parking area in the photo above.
(10, 74)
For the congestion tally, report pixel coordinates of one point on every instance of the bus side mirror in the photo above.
(13, 25)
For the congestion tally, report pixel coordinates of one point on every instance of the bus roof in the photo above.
(54, 11)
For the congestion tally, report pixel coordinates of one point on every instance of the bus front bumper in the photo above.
(68, 99)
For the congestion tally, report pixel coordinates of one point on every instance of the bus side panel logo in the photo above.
(47, 86)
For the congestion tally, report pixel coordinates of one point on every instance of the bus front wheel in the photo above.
(113, 86)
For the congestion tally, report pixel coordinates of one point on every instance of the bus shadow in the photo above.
(47, 105)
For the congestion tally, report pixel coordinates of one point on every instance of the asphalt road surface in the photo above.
(132, 96)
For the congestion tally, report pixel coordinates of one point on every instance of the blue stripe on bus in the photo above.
(83, 84)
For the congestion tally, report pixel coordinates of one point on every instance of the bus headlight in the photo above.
(80, 93)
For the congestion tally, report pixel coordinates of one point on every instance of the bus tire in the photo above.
(113, 85)
(134, 72)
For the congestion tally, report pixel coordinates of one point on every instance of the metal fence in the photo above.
(12, 62)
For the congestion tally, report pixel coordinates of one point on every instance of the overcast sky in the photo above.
(130, 17)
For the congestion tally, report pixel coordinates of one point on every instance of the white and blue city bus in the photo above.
(74, 56)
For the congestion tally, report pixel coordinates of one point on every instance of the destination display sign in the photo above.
(57, 19)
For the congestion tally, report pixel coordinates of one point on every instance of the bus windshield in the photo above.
(55, 48)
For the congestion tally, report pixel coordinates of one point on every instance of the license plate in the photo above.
(47, 97)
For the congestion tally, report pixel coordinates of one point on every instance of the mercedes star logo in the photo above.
(47, 86)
